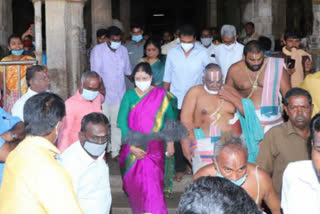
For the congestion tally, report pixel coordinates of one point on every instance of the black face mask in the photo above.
(254, 68)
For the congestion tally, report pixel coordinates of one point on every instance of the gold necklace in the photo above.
(255, 82)
(217, 113)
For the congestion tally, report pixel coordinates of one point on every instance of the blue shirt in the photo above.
(184, 72)
(7, 122)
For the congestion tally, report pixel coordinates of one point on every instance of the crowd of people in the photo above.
(243, 119)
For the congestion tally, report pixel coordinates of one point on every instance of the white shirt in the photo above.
(184, 72)
(90, 179)
(300, 189)
(226, 57)
(211, 53)
(17, 109)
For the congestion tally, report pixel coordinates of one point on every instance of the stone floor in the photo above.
(120, 203)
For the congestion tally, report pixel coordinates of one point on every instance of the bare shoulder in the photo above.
(264, 177)
(208, 170)
(195, 90)
(235, 69)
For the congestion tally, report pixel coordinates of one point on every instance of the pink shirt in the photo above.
(76, 108)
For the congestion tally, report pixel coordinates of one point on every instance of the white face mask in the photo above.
(206, 41)
(229, 47)
(186, 46)
(143, 85)
(209, 91)
(95, 149)
(115, 45)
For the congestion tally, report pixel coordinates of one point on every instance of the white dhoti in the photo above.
(203, 153)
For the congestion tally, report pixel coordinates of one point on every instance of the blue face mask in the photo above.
(137, 38)
(17, 52)
(238, 182)
(89, 95)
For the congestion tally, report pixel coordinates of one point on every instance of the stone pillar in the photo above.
(101, 12)
(125, 16)
(212, 13)
(279, 11)
(5, 23)
(314, 39)
(38, 29)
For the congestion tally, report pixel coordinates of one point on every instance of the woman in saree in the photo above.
(155, 59)
(15, 46)
(143, 167)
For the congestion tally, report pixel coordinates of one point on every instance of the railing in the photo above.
(18, 63)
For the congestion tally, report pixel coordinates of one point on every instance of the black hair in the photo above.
(314, 127)
(142, 66)
(101, 32)
(295, 92)
(135, 26)
(94, 118)
(113, 31)
(253, 46)
(154, 43)
(13, 36)
(209, 195)
(32, 70)
(250, 23)
(292, 33)
(42, 112)
(265, 43)
(187, 30)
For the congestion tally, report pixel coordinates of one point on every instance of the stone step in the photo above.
(120, 204)
(116, 183)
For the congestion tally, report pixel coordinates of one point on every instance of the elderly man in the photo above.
(299, 62)
(287, 142)
(230, 51)
(206, 40)
(84, 162)
(111, 61)
(259, 80)
(38, 81)
(230, 161)
(184, 68)
(207, 116)
(301, 184)
(33, 180)
(251, 35)
(87, 99)
(209, 195)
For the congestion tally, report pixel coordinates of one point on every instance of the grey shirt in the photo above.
(135, 52)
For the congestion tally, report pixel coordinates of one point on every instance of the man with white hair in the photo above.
(230, 51)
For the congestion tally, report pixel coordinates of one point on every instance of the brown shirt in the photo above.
(280, 146)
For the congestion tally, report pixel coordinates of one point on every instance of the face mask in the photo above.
(229, 47)
(33, 43)
(57, 132)
(89, 95)
(137, 38)
(238, 182)
(115, 45)
(206, 41)
(209, 91)
(186, 46)
(17, 52)
(143, 85)
(94, 149)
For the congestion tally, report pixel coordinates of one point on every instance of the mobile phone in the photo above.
(291, 63)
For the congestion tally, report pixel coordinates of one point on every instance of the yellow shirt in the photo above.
(312, 84)
(34, 182)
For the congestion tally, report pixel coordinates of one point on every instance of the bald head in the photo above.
(212, 78)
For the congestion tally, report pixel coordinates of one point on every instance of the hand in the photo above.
(186, 150)
(291, 71)
(308, 65)
(139, 153)
(170, 149)
(7, 136)
(228, 93)
(19, 131)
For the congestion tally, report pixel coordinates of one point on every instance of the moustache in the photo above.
(300, 118)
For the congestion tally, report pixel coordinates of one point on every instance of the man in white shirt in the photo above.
(230, 51)
(206, 40)
(301, 179)
(184, 68)
(84, 162)
(38, 81)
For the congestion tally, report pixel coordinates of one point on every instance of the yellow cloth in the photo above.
(34, 182)
(312, 84)
(12, 74)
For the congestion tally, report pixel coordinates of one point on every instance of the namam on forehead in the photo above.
(213, 75)
(233, 156)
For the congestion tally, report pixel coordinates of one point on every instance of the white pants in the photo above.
(203, 154)
(111, 112)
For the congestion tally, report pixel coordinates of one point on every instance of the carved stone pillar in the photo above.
(212, 13)
(5, 22)
(125, 16)
(314, 39)
(38, 29)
